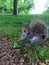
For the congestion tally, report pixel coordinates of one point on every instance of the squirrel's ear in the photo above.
(25, 24)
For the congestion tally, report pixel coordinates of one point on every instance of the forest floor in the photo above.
(9, 56)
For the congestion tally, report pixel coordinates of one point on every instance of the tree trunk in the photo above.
(15, 7)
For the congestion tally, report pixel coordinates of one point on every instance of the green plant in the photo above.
(14, 44)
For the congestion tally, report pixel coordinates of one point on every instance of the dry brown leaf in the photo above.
(42, 63)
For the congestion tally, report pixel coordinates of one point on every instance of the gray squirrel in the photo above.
(35, 32)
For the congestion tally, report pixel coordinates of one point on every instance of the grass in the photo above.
(11, 26)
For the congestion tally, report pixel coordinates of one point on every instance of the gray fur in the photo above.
(33, 36)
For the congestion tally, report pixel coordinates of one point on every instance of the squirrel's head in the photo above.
(25, 29)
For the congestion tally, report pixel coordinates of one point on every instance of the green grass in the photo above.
(10, 19)
(11, 26)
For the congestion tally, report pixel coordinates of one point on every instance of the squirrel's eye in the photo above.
(24, 30)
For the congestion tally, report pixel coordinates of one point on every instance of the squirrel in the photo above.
(35, 32)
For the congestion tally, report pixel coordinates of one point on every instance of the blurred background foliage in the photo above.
(6, 6)
(23, 6)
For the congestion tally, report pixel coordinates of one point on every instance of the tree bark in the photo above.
(15, 7)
